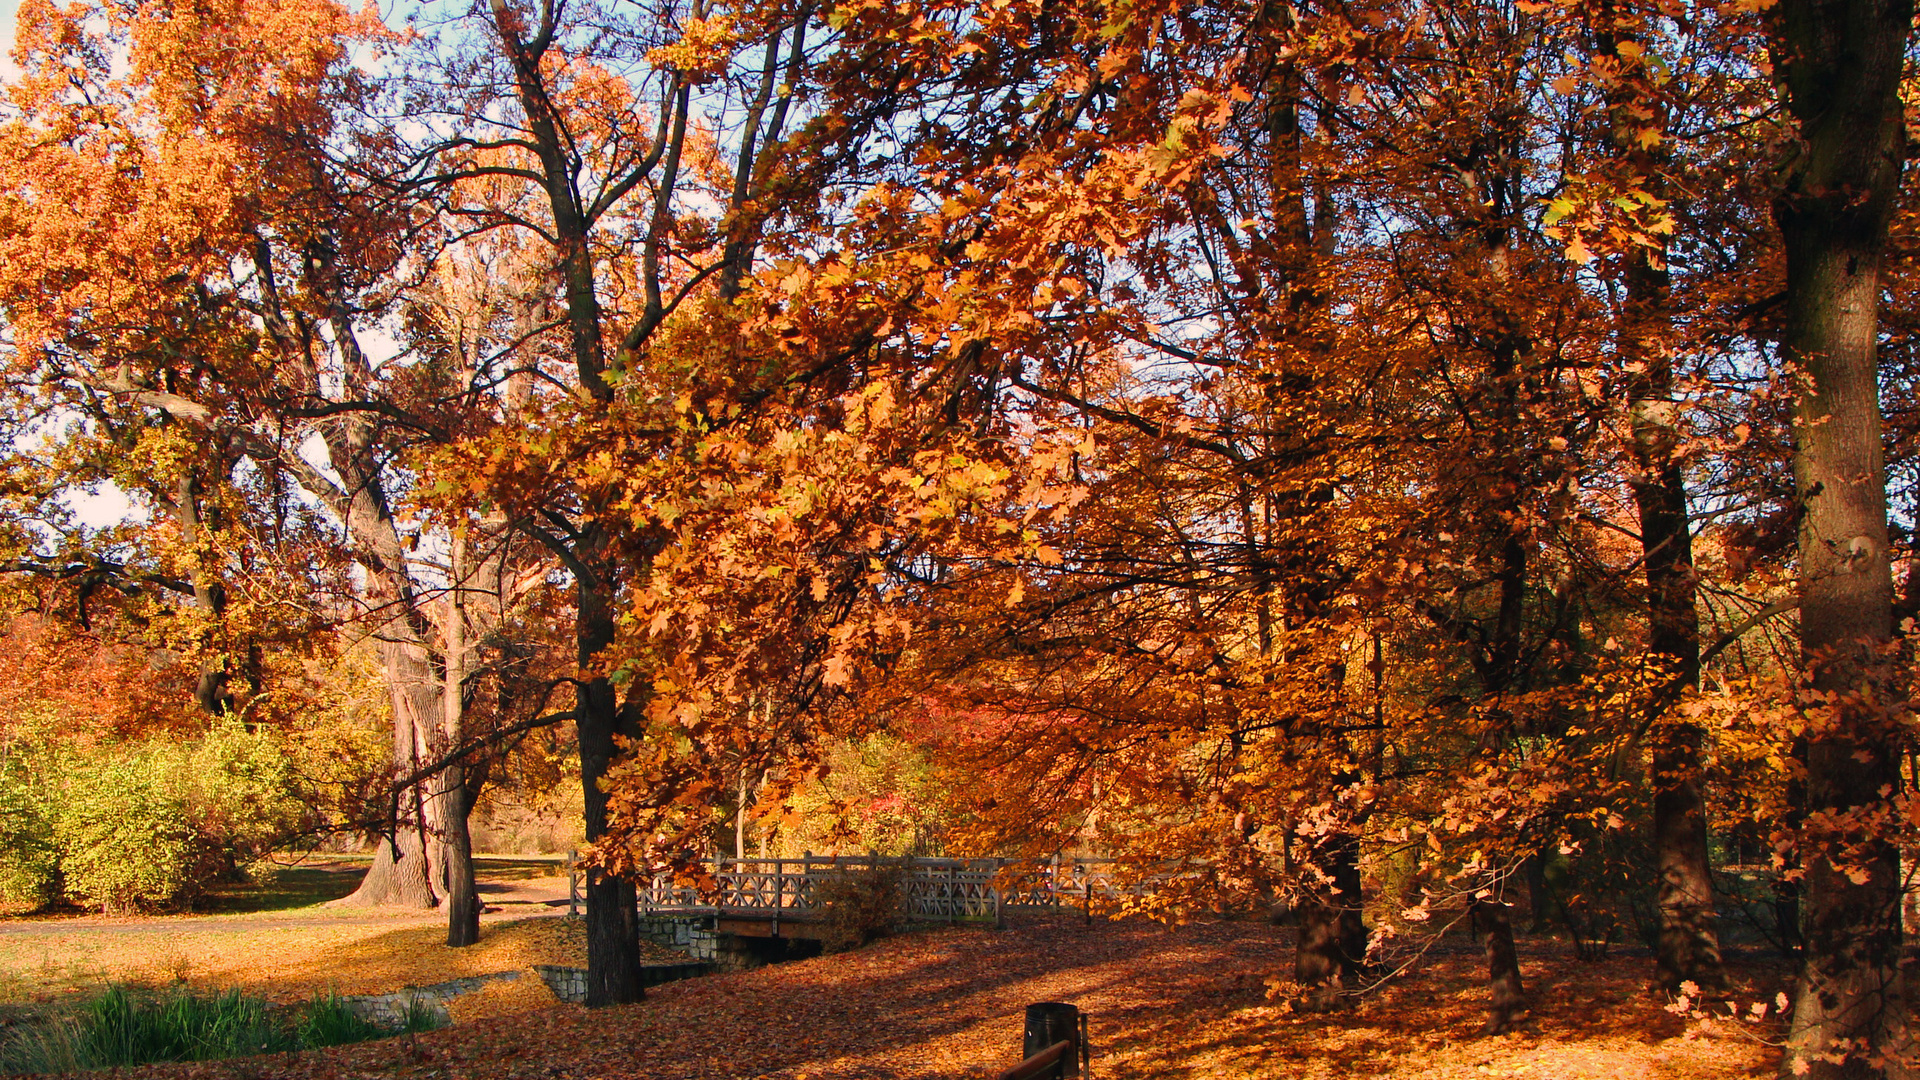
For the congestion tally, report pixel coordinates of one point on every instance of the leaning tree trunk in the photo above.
(1840, 63)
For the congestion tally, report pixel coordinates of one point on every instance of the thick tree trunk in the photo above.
(1332, 938)
(415, 880)
(398, 882)
(613, 918)
(1840, 63)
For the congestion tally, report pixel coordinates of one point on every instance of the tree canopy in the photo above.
(1371, 461)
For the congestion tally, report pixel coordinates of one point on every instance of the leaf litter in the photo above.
(1184, 1001)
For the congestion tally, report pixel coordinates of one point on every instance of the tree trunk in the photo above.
(457, 790)
(1332, 937)
(1509, 1004)
(613, 917)
(463, 897)
(400, 882)
(415, 879)
(1688, 948)
(1840, 63)
(1534, 872)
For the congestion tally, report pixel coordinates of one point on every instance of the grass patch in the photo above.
(289, 888)
(123, 1027)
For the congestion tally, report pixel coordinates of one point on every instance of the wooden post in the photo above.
(573, 882)
(1050, 1022)
(740, 819)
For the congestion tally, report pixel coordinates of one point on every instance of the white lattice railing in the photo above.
(935, 890)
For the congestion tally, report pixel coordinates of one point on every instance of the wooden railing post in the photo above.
(1054, 1044)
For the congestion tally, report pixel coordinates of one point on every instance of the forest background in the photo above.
(1372, 461)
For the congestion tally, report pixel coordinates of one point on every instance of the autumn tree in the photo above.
(220, 316)
(1840, 66)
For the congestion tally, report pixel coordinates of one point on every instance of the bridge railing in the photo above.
(1050, 884)
(935, 890)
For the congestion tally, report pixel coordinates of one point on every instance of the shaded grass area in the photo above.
(518, 867)
(125, 1026)
(290, 889)
(1179, 1002)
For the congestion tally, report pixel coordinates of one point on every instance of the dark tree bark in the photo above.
(463, 898)
(1688, 948)
(459, 787)
(1332, 939)
(1509, 1004)
(1839, 63)
(1689, 943)
(1534, 872)
(613, 917)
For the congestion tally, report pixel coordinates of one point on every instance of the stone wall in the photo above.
(690, 934)
(696, 936)
(390, 1010)
(569, 984)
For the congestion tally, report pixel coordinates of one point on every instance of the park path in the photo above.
(177, 924)
(510, 899)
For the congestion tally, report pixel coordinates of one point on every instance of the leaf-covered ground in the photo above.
(1164, 1002)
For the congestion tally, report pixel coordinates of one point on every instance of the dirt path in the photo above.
(188, 924)
(518, 898)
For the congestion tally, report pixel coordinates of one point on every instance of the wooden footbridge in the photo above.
(778, 897)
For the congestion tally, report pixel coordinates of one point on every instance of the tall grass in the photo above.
(130, 1027)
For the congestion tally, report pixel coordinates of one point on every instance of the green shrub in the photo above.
(240, 792)
(858, 906)
(124, 839)
(29, 859)
(142, 825)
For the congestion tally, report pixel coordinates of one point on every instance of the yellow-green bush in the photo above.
(29, 862)
(124, 839)
(142, 825)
